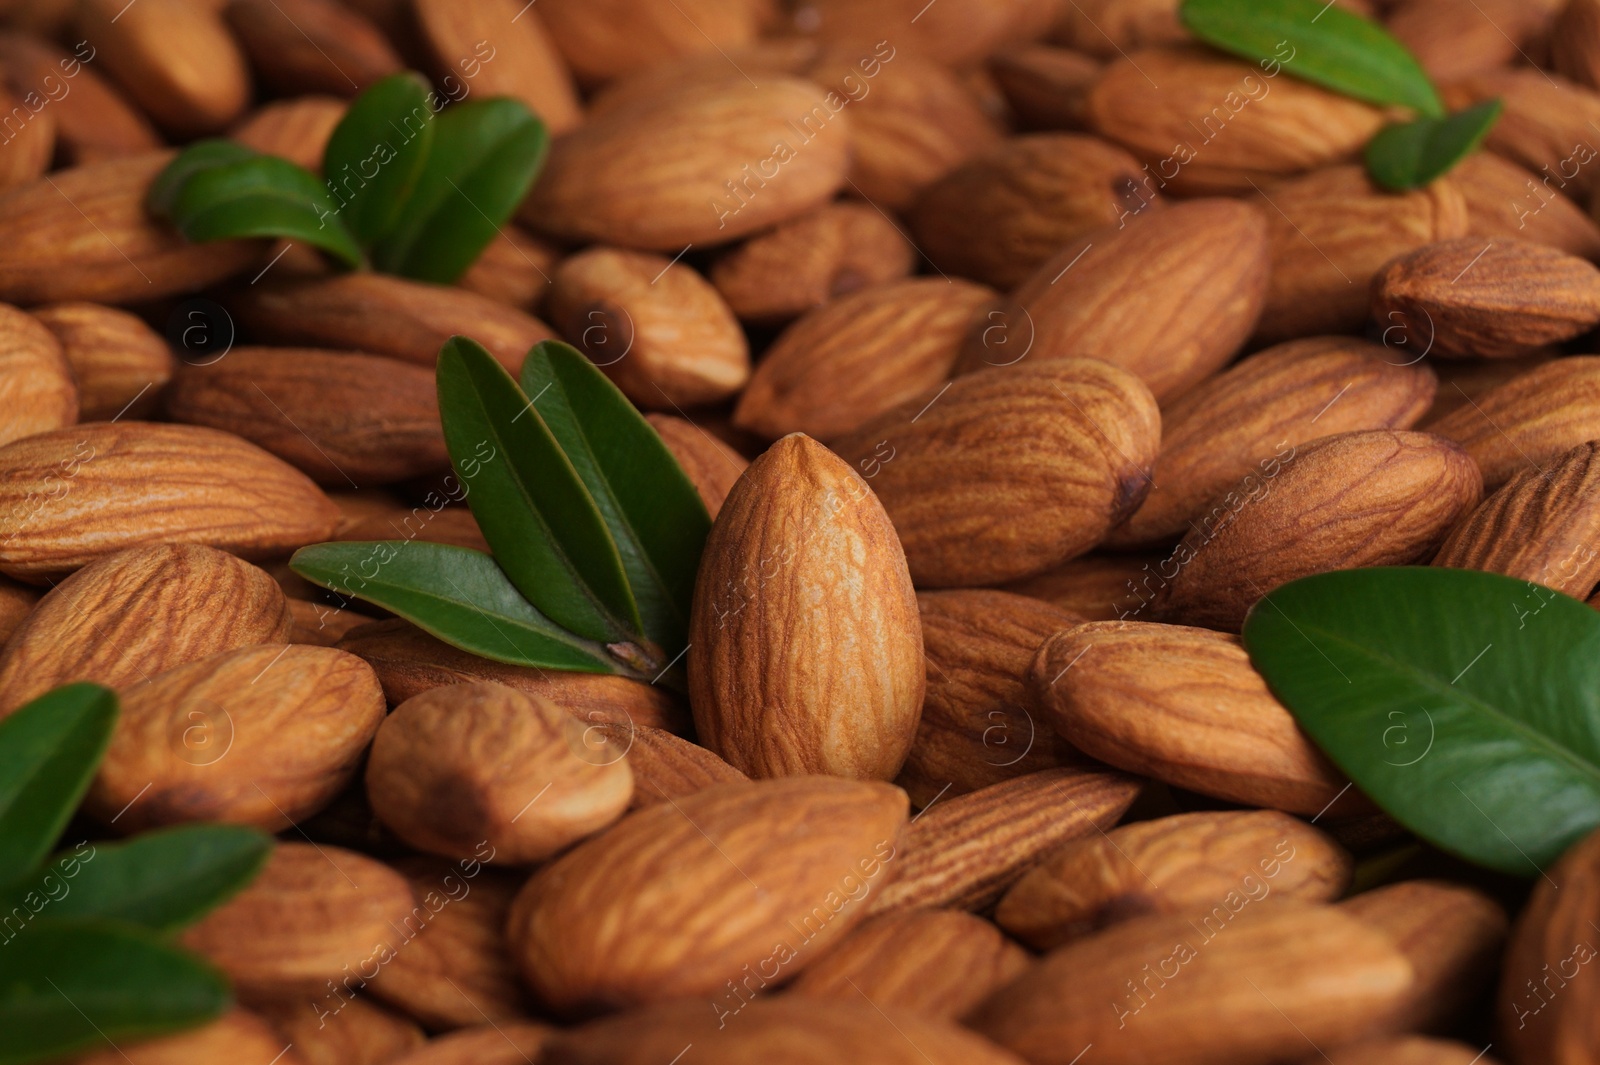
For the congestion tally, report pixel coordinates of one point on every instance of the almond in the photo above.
(444, 525)
(1575, 42)
(966, 851)
(37, 391)
(29, 138)
(803, 548)
(1047, 87)
(1465, 381)
(97, 482)
(1199, 864)
(498, 48)
(1097, 587)
(1453, 41)
(310, 46)
(364, 1034)
(175, 58)
(237, 1035)
(16, 603)
(713, 467)
(1544, 125)
(961, 34)
(1010, 471)
(514, 269)
(860, 355)
(137, 613)
(1408, 1050)
(1170, 301)
(93, 120)
(119, 363)
(1529, 421)
(774, 870)
(1183, 706)
(1372, 498)
(665, 767)
(491, 1044)
(586, 32)
(1506, 201)
(1107, 28)
(297, 130)
(321, 626)
(773, 56)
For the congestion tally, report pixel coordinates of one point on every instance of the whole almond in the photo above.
(311, 46)
(498, 48)
(1575, 42)
(1505, 200)
(1543, 125)
(175, 58)
(95, 484)
(1047, 87)
(665, 767)
(37, 390)
(364, 1034)
(1452, 42)
(778, 869)
(119, 362)
(30, 138)
(1169, 296)
(586, 32)
(238, 1035)
(1529, 421)
(444, 525)
(513, 269)
(1097, 587)
(297, 129)
(1463, 382)
(1407, 1050)
(713, 467)
(16, 603)
(960, 35)
(93, 120)
(858, 356)
(1010, 471)
(489, 1044)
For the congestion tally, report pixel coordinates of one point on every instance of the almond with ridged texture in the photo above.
(262, 736)
(430, 522)
(30, 138)
(1000, 216)
(311, 46)
(489, 1044)
(460, 766)
(313, 911)
(978, 727)
(965, 852)
(1330, 234)
(345, 1032)
(16, 603)
(1169, 296)
(297, 130)
(1506, 201)
(1368, 498)
(513, 269)
(1010, 471)
(340, 417)
(238, 1035)
(133, 483)
(1453, 39)
(37, 390)
(963, 33)
(1463, 382)
(1253, 990)
(1209, 125)
(1185, 707)
(658, 329)
(93, 120)
(1407, 1050)
(665, 766)
(770, 868)
(860, 355)
(1047, 87)
(137, 613)
(174, 58)
(705, 165)
(1197, 864)
(499, 48)
(1499, 299)
(835, 250)
(1545, 124)
(85, 234)
(1575, 42)
(712, 465)
(586, 32)
(938, 963)
(805, 648)
(772, 57)
(1242, 421)
(1099, 587)
(1529, 421)
(120, 363)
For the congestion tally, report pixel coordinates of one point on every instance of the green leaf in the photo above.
(71, 985)
(162, 880)
(540, 521)
(457, 594)
(1411, 154)
(377, 153)
(1317, 42)
(49, 750)
(1466, 704)
(202, 155)
(484, 158)
(262, 197)
(648, 502)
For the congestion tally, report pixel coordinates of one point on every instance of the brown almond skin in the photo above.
(513, 269)
(978, 727)
(1169, 296)
(37, 390)
(665, 767)
(119, 362)
(489, 1044)
(1184, 706)
(327, 907)
(1097, 587)
(216, 489)
(447, 525)
(320, 625)
(1529, 421)
(341, 418)
(1544, 123)
(712, 466)
(311, 46)
(1505, 200)
(937, 963)
(1008, 472)
(136, 613)
(262, 736)
(1575, 42)
(805, 647)
(30, 138)
(1188, 864)
(1106, 28)
(297, 129)
(16, 603)
(1370, 498)
(961, 35)
(93, 120)
(966, 851)
(1463, 382)
(1407, 1050)
(1047, 87)
(860, 355)
(1258, 969)
(503, 52)
(1450, 43)
(238, 1035)
(1247, 415)
(778, 864)
(358, 1034)
(586, 33)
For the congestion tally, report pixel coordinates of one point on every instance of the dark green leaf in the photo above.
(1317, 42)
(70, 985)
(49, 750)
(457, 594)
(540, 521)
(377, 152)
(1466, 704)
(484, 158)
(649, 503)
(202, 155)
(1411, 154)
(262, 197)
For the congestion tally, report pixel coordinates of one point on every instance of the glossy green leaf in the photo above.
(1466, 704)
(377, 153)
(262, 197)
(70, 985)
(1317, 42)
(649, 503)
(49, 750)
(541, 522)
(457, 594)
(484, 158)
(1411, 154)
(201, 155)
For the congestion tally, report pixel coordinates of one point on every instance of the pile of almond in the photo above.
(1018, 347)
